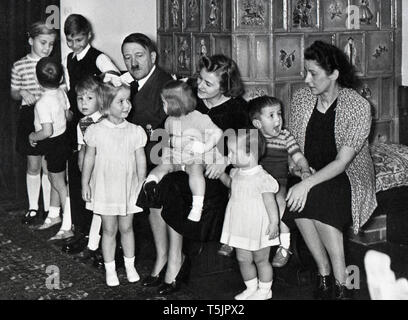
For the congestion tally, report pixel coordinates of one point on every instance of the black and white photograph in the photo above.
(130, 132)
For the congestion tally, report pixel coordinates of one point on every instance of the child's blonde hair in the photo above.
(106, 93)
(40, 27)
(179, 97)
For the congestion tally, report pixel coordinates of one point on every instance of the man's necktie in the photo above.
(134, 88)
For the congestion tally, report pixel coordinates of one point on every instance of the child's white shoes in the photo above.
(256, 291)
(131, 272)
(261, 294)
(252, 286)
(112, 279)
(244, 295)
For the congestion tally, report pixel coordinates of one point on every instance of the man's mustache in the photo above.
(135, 68)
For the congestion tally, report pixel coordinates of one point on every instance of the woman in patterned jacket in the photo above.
(331, 122)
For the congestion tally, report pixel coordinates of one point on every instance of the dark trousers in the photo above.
(81, 218)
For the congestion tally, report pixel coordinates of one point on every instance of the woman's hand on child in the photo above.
(86, 193)
(28, 98)
(272, 231)
(31, 140)
(297, 196)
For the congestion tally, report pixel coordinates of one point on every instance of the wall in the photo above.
(404, 43)
(112, 21)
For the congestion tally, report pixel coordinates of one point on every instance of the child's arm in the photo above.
(87, 168)
(81, 157)
(271, 206)
(212, 138)
(226, 180)
(141, 165)
(302, 163)
(23, 95)
(46, 132)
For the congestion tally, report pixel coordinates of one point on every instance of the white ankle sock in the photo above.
(198, 202)
(285, 240)
(131, 272)
(265, 286)
(94, 237)
(46, 191)
(53, 212)
(112, 279)
(66, 216)
(33, 190)
(252, 286)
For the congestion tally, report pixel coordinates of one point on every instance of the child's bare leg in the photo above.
(265, 274)
(248, 272)
(282, 254)
(197, 185)
(110, 228)
(128, 244)
(46, 185)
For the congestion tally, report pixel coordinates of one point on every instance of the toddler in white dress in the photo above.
(251, 223)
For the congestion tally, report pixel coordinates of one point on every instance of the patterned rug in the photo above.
(31, 268)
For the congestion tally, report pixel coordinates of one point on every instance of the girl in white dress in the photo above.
(251, 223)
(114, 167)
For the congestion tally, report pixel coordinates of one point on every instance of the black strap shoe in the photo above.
(30, 217)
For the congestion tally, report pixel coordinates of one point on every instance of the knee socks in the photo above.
(66, 217)
(46, 191)
(94, 237)
(33, 190)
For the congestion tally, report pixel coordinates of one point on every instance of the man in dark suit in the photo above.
(140, 56)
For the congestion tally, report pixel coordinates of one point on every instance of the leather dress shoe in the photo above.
(324, 289)
(29, 217)
(154, 281)
(169, 288)
(182, 276)
(75, 246)
(98, 261)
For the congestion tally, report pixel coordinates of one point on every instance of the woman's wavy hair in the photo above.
(331, 58)
(227, 70)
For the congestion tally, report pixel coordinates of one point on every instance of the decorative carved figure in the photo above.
(193, 6)
(351, 51)
(365, 12)
(203, 48)
(335, 10)
(302, 14)
(286, 60)
(254, 13)
(175, 6)
(213, 16)
(183, 58)
(379, 51)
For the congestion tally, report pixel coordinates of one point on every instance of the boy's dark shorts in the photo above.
(56, 151)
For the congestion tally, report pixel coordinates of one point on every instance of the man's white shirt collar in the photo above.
(144, 80)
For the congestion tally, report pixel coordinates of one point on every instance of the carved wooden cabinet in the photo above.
(267, 39)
